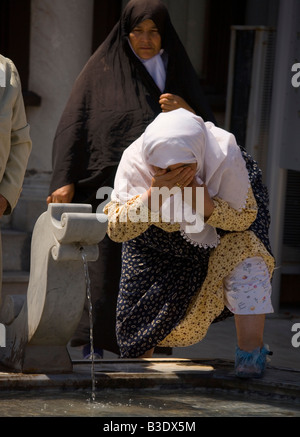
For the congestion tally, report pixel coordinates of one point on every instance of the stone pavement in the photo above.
(208, 365)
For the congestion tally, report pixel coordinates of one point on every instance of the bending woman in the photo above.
(181, 268)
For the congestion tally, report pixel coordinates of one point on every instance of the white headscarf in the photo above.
(181, 137)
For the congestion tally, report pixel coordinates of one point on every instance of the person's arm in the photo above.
(121, 223)
(229, 219)
(132, 218)
(129, 220)
(20, 143)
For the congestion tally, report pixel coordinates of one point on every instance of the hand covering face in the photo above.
(182, 137)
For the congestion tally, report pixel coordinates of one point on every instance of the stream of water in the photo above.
(89, 298)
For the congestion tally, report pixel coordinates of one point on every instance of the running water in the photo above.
(89, 298)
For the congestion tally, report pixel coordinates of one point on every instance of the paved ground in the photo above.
(220, 341)
(208, 365)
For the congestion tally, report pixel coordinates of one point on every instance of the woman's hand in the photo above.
(180, 177)
(169, 102)
(3, 205)
(63, 194)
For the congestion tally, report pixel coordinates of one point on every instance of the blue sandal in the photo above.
(251, 364)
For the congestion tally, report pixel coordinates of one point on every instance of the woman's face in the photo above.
(145, 39)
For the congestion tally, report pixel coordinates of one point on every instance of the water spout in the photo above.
(39, 325)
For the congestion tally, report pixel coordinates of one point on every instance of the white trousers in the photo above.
(247, 290)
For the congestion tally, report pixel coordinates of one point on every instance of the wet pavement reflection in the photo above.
(143, 403)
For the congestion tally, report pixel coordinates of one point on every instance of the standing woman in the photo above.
(140, 70)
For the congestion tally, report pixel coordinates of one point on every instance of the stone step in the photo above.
(15, 250)
(14, 282)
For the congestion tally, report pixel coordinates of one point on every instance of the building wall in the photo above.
(61, 37)
(60, 45)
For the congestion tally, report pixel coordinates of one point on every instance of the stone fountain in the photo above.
(39, 325)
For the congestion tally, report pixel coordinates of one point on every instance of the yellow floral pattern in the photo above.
(234, 247)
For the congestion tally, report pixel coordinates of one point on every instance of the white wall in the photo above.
(60, 45)
(61, 38)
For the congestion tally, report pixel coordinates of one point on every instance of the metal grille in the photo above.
(291, 236)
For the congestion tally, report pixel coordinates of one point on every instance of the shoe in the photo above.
(251, 364)
(86, 352)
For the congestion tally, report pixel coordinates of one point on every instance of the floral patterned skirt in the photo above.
(160, 274)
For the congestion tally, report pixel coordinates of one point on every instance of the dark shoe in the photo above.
(86, 352)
